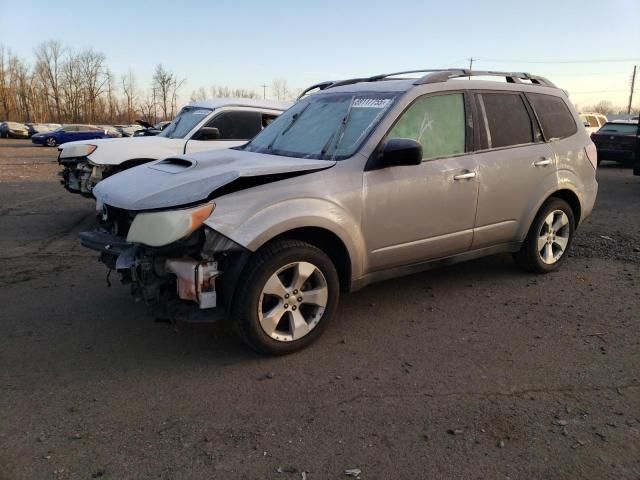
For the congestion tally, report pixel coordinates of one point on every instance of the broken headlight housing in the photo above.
(157, 229)
(75, 151)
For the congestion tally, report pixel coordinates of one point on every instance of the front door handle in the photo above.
(543, 162)
(464, 176)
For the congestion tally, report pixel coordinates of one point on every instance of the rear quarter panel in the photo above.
(575, 170)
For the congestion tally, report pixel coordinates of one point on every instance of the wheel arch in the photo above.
(572, 199)
(565, 194)
(330, 243)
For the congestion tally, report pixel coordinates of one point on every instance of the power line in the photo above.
(590, 74)
(596, 60)
(600, 91)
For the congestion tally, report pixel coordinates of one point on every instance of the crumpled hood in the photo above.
(187, 179)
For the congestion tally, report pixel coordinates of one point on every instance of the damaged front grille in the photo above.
(116, 221)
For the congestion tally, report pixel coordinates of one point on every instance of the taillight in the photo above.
(592, 153)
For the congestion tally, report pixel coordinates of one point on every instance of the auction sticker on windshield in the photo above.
(371, 102)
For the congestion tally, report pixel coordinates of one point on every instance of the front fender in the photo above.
(277, 219)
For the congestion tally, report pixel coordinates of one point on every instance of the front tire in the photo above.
(549, 238)
(51, 142)
(285, 298)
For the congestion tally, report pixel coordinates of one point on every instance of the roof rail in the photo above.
(319, 86)
(435, 76)
(377, 78)
(511, 77)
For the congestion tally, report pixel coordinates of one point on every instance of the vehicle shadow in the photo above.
(125, 327)
(81, 318)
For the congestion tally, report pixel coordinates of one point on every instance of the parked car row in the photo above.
(360, 180)
(28, 130)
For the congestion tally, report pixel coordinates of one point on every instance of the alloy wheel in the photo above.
(553, 237)
(293, 301)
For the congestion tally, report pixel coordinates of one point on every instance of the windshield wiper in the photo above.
(338, 133)
(294, 118)
(175, 127)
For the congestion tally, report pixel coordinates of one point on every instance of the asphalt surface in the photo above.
(473, 371)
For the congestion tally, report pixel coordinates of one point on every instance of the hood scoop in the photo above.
(173, 165)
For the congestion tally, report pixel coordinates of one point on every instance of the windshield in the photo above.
(184, 122)
(325, 126)
(624, 128)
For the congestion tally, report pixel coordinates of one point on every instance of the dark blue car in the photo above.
(69, 133)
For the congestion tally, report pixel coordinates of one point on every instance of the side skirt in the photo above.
(394, 272)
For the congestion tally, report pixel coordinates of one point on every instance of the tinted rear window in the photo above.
(623, 128)
(555, 117)
(508, 120)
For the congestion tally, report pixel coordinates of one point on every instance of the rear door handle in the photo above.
(464, 176)
(543, 162)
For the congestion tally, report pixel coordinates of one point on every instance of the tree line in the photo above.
(607, 107)
(63, 85)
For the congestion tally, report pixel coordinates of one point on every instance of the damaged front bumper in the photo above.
(78, 175)
(175, 283)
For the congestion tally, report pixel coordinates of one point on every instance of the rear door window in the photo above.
(554, 115)
(237, 125)
(437, 123)
(508, 121)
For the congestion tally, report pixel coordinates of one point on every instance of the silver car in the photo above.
(364, 180)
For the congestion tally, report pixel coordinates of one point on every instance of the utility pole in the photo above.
(633, 83)
(264, 90)
(470, 66)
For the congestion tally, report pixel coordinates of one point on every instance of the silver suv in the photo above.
(363, 180)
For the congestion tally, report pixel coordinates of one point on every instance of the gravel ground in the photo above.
(472, 371)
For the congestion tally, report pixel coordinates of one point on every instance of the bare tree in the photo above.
(64, 85)
(603, 106)
(163, 85)
(200, 94)
(5, 93)
(92, 72)
(129, 89)
(49, 65)
(279, 89)
(148, 107)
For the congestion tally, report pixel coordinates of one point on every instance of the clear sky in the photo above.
(247, 43)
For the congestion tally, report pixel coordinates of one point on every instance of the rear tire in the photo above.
(549, 238)
(285, 297)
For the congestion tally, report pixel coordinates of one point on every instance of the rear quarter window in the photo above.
(555, 117)
(508, 121)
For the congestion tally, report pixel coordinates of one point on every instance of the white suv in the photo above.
(593, 121)
(202, 125)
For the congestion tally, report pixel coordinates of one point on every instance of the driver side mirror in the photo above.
(207, 133)
(400, 151)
